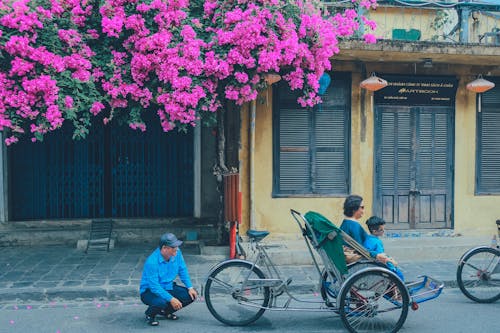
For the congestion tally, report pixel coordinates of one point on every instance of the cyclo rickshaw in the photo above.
(365, 294)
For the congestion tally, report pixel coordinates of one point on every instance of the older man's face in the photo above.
(167, 252)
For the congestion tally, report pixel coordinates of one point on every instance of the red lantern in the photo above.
(480, 85)
(373, 83)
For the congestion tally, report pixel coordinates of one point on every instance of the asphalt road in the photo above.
(451, 312)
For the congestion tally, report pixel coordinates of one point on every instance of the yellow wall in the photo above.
(389, 18)
(423, 19)
(473, 215)
(273, 214)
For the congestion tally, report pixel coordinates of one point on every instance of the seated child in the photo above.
(374, 243)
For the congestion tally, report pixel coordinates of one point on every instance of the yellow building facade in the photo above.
(469, 211)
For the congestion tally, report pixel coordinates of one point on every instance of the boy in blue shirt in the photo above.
(374, 244)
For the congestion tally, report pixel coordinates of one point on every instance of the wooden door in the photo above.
(414, 166)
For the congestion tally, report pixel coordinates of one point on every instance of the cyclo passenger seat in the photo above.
(257, 235)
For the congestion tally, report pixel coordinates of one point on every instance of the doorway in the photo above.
(414, 166)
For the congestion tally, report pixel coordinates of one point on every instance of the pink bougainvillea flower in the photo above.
(77, 59)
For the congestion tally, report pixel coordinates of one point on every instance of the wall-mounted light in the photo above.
(373, 83)
(479, 86)
(427, 63)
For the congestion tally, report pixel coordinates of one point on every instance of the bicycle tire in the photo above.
(225, 293)
(373, 300)
(328, 289)
(475, 276)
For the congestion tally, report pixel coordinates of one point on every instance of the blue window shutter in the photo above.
(433, 141)
(488, 143)
(331, 156)
(294, 160)
(311, 146)
(395, 159)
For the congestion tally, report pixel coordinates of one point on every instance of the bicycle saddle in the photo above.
(257, 235)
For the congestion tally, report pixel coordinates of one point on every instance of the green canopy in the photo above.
(333, 248)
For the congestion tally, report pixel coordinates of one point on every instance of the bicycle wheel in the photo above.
(234, 295)
(373, 300)
(329, 286)
(478, 275)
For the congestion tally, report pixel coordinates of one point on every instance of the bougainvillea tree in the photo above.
(70, 60)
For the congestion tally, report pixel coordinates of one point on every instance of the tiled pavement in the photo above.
(60, 272)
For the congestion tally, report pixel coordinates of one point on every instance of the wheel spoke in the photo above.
(234, 293)
(224, 284)
(478, 275)
(373, 301)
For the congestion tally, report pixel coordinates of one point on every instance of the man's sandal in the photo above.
(171, 316)
(152, 321)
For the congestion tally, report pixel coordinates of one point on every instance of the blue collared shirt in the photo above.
(373, 243)
(158, 274)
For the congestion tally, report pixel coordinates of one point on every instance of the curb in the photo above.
(67, 294)
(115, 294)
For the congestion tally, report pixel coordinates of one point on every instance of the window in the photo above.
(488, 142)
(311, 146)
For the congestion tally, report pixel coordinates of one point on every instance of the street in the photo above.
(451, 312)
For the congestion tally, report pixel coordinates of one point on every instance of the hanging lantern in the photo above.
(480, 85)
(271, 78)
(324, 83)
(373, 83)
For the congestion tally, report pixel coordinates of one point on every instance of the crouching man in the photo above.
(158, 289)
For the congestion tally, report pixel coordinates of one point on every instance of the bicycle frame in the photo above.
(497, 265)
(357, 296)
(278, 285)
(477, 268)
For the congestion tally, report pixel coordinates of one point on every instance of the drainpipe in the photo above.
(251, 154)
(197, 170)
(4, 187)
(362, 103)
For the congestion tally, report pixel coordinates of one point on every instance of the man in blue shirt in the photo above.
(158, 289)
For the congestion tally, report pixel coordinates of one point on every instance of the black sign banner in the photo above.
(417, 90)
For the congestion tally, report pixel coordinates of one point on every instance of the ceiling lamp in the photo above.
(373, 83)
(480, 85)
(427, 63)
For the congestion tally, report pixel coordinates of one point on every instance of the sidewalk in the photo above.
(41, 274)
